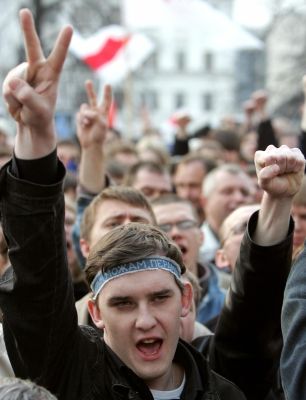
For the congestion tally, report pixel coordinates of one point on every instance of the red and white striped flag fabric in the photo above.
(112, 52)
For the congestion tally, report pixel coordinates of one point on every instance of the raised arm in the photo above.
(248, 337)
(249, 110)
(91, 131)
(36, 295)
(265, 130)
(181, 140)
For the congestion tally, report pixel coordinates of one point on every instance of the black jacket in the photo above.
(45, 343)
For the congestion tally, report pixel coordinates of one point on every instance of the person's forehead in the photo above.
(172, 212)
(298, 209)
(226, 179)
(183, 170)
(152, 179)
(140, 283)
(116, 208)
(127, 159)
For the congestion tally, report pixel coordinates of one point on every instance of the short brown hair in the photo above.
(126, 195)
(120, 146)
(130, 243)
(143, 165)
(207, 163)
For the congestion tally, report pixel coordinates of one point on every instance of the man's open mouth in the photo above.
(183, 248)
(149, 347)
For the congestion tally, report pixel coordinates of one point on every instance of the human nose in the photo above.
(145, 319)
(174, 231)
(154, 195)
(127, 220)
(239, 197)
(184, 192)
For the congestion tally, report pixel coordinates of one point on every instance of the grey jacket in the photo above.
(293, 359)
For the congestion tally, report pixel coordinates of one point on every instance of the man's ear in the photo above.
(85, 247)
(203, 201)
(221, 259)
(95, 314)
(187, 297)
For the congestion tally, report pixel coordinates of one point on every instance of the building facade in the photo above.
(182, 72)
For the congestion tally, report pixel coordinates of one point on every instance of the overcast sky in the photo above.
(252, 13)
(257, 13)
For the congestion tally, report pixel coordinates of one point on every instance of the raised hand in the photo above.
(92, 118)
(249, 108)
(260, 98)
(30, 91)
(91, 130)
(280, 170)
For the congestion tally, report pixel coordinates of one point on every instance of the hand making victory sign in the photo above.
(92, 126)
(92, 118)
(30, 91)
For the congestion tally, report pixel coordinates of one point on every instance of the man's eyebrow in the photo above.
(163, 292)
(143, 217)
(112, 217)
(118, 299)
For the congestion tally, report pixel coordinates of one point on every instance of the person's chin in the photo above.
(150, 363)
(151, 371)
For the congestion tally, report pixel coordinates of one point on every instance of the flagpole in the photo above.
(128, 103)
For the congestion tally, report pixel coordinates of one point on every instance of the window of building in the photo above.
(149, 99)
(151, 63)
(179, 100)
(207, 102)
(208, 62)
(180, 61)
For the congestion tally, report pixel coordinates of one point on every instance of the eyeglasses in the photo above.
(181, 225)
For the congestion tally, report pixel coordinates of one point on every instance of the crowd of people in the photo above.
(143, 271)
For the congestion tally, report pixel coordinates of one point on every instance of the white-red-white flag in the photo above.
(112, 52)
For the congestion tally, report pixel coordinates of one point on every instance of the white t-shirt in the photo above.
(174, 394)
(5, 365)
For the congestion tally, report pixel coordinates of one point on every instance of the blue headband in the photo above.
(146, 264)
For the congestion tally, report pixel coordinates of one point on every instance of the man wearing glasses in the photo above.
(179, 219)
